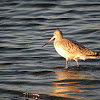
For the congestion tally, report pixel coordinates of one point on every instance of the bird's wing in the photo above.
(76, 48)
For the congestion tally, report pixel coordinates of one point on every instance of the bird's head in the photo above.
(57, 34)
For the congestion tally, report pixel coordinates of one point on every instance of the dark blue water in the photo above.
(28, 71)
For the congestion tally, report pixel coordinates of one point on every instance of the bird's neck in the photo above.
(59, 38)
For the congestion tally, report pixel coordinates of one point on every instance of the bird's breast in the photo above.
(59, 47)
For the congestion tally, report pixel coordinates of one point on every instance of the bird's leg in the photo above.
(77, 62)
(66, 64)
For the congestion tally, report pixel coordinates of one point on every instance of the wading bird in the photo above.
(70, 49)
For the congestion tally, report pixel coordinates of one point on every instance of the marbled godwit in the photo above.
(71, 50)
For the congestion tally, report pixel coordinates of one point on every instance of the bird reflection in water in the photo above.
(73, 85)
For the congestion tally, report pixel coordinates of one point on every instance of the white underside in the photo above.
(68, 55)
(63, 53)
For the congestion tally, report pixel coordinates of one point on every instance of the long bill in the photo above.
(49, 41)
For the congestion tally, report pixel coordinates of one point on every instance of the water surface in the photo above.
(28, 71)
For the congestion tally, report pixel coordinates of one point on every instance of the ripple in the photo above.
(23, 72)
(80, 5)
(87, 31)
(9, 48)
(44, 5)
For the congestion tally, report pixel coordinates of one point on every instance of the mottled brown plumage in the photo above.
(70, 49)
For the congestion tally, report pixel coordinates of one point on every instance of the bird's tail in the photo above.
(97, 55)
